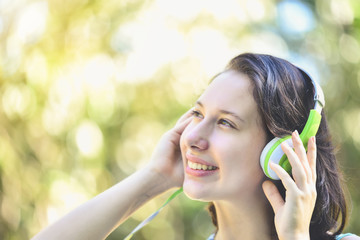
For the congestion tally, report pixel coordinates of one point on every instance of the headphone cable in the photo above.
(152, 216)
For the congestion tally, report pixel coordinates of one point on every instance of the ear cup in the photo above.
(273, 153)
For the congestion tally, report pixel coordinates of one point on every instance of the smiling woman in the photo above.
(213, 152)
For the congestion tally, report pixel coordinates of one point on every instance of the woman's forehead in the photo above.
(231, 91)
(229, 85)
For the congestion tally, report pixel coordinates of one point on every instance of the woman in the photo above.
(213, 152)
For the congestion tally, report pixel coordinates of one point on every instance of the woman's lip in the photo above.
(199, 173)
(195, 159)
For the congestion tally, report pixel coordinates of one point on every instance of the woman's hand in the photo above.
(292, 216)
(166, 158)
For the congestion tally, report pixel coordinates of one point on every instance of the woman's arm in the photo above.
(98, 217)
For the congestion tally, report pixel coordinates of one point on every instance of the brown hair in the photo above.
(285, 95)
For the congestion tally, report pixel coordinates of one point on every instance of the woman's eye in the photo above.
(196, 114)
(225, 123)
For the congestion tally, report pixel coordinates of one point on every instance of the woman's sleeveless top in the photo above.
(338, 237)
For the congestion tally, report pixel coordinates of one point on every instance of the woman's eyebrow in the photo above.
(224, 112)
(232, 114)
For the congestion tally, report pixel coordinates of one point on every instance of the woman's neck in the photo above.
(250, 219)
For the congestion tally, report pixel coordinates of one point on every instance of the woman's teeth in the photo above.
(198, 166)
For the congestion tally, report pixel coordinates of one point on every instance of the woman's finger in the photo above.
(301, 153)
(311, 155)
(182, 122)
(298, 171)
(185, 116)
(285, 178)
(273, 195)
(180, 127)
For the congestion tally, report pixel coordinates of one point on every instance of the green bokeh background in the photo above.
(88, 87)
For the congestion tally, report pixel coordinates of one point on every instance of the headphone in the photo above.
(273, 152)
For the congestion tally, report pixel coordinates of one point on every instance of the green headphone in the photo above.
(273, 152)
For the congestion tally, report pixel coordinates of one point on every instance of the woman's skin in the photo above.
(223, 131)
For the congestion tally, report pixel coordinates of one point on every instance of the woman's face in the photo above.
(221, 146)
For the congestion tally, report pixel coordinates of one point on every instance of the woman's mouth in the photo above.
(198, 166)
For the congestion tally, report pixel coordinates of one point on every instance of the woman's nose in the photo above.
(197, 137)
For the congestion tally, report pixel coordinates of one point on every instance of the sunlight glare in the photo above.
(211, 48)
(32, 22)
(295, 17)
(89, 138)
(342, 11)
(255, 9)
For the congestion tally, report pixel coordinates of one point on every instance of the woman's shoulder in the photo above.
(347, 236)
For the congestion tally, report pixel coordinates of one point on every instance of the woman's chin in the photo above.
(196, 191)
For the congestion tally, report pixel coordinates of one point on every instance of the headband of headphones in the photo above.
(319, 94)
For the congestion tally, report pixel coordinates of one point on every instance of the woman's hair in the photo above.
(285, 95)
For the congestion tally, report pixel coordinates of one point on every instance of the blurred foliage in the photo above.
(88, 87)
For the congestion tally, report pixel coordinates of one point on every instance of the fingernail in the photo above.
(314, 139)
(296, 132)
